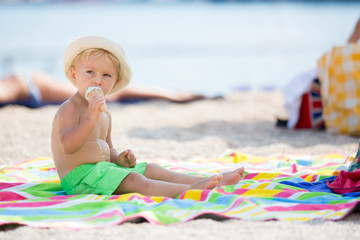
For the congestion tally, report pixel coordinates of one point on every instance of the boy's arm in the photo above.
(73, 133)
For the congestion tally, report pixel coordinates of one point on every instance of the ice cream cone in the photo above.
(93, 91)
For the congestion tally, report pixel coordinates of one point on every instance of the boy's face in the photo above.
(94, 72)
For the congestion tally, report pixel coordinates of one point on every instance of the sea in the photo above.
(202, 46)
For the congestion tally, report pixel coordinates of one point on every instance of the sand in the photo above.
(243, 121)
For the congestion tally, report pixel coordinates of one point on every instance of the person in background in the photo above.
(36, 89)
(355, 36)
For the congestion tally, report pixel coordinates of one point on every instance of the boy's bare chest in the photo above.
(101, 129)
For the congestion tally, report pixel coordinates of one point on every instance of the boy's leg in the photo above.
(135, 182)
(156, 172)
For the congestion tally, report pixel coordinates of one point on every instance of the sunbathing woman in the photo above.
(37, 89)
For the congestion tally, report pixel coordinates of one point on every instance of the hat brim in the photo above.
(81, 44)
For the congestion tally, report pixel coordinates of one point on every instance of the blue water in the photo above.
(199, 46)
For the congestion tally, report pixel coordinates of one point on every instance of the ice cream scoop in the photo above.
(93, 91)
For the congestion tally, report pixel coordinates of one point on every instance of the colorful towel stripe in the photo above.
(281, 187)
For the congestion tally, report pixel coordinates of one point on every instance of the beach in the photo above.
(242, 121)
(173, 44)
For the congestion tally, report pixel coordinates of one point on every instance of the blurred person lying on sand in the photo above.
(37, 89)
(81, 144)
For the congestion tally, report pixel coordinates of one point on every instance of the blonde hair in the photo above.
(96, 53)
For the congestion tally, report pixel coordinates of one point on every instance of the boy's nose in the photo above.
(98, 80)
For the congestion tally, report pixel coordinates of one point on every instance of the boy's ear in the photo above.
(73, 74)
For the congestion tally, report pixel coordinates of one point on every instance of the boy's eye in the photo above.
(89, 72)
(107, 75)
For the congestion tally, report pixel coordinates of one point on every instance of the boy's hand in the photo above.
(94, 107)
(93, 92)
(126, 159)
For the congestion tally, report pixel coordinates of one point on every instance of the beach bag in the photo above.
(339, 75)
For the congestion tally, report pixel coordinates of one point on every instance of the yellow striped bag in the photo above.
(339, 74)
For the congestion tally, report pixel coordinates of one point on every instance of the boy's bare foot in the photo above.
(233, 177)
(207, 183)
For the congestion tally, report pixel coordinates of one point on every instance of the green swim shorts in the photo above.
(101, 178)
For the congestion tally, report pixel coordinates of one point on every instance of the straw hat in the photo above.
(81, 44)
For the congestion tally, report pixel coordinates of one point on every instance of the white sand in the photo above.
(243, 122)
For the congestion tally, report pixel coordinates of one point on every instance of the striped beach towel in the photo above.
(279, 187)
